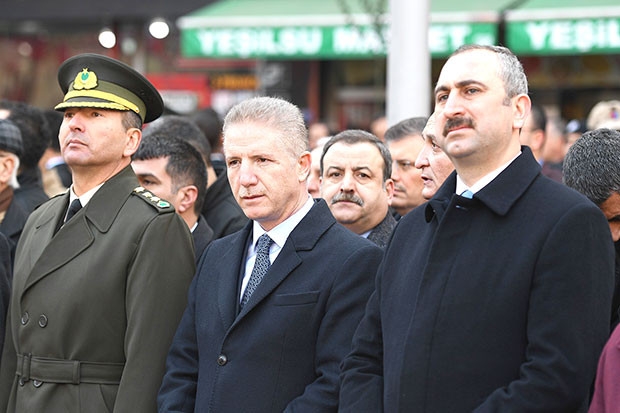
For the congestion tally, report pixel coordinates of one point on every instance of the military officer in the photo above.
(97, 293)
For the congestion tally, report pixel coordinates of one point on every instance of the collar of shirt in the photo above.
(280, 233)
(85, 198)
(484, 181)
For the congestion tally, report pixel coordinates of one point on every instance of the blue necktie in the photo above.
(261, 265)
(467, 194)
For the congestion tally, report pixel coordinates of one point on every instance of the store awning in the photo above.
(324, 29)
(561, 27)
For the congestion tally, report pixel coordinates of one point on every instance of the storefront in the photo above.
(329, 56)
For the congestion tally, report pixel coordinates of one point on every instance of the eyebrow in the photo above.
(460, 85)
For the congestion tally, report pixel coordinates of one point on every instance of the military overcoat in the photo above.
(94, 307)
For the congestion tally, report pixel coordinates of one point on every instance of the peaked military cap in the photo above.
(95, 81)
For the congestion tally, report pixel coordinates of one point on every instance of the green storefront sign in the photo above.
(321, 42)
(561, 37)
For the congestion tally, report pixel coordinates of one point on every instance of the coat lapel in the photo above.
(303, 238)
(228, 277)
(54, 251)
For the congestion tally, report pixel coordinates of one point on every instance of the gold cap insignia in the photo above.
(85, 80)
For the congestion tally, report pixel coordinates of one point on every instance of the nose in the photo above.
(247, 177)
(347, 184)
(75, 122)
(453, 104)
(422, 160)
(395, 171)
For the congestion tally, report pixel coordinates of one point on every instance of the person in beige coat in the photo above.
(97, 296)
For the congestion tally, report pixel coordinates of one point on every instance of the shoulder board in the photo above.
(155, 201)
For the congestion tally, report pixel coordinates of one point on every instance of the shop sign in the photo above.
(564, 36)
(321, 42)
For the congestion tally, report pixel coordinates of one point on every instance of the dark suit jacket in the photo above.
(108, 289)
(202, 235)
(5, 283)
(30, 193)
(13, 224)
(380, 234)
(498, 303)
(282, 352)
(221, 210)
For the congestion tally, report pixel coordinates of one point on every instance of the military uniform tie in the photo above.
(261, 265)
(75, 206)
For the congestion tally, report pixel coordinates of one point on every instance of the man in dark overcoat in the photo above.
(268, 322)
(494, 296)
(102, 271)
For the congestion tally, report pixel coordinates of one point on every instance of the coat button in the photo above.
(222, 360)
(21, 381)
(42, 320)
(25, 318)
(37, 383)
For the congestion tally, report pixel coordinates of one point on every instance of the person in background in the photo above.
(273, 307)
(379, 126)
(314, 178)
(432, 161)
(464, 316)
(591, 168)
(174, 170)
(404, 140)
(356, 184)
(605, 114)
(220, 209)
(210, 123)
(55, 174)
(316, 132)
(572, 131)
(12, 215)
(534, 135)
(101, 273)
(32, 126)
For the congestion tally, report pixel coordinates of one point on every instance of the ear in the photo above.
(389, 189)
(7, 165)
(186, 198)
(303, 166)
(134, 137)
(522, 106)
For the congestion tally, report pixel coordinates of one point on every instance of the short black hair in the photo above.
(33, 127)
(185, 164)
(210, 123)
(176, 126)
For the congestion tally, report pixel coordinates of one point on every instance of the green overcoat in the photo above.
(94, 307)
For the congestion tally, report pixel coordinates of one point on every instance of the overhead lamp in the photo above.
(159, 29)
(107, 38)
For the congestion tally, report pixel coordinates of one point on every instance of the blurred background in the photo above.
(327, 56)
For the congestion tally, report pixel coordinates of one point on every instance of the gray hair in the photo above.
(274, 113)
(353, 136)
(591, 165)
(411, 126)
(510, 68)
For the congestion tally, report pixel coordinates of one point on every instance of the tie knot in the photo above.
(75, 206)
(263, 244)
(467, 194)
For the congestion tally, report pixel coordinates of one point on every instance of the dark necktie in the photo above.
(261, 265)
(73, 209)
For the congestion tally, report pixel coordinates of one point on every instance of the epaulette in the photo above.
(155, 201)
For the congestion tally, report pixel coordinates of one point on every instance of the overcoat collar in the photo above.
(303, 238)
(76, 235)
(499, 195)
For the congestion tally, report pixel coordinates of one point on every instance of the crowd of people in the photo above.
(466, 261)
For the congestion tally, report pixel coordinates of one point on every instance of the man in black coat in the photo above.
(494, 296)
(173, 170)
(253, 344)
